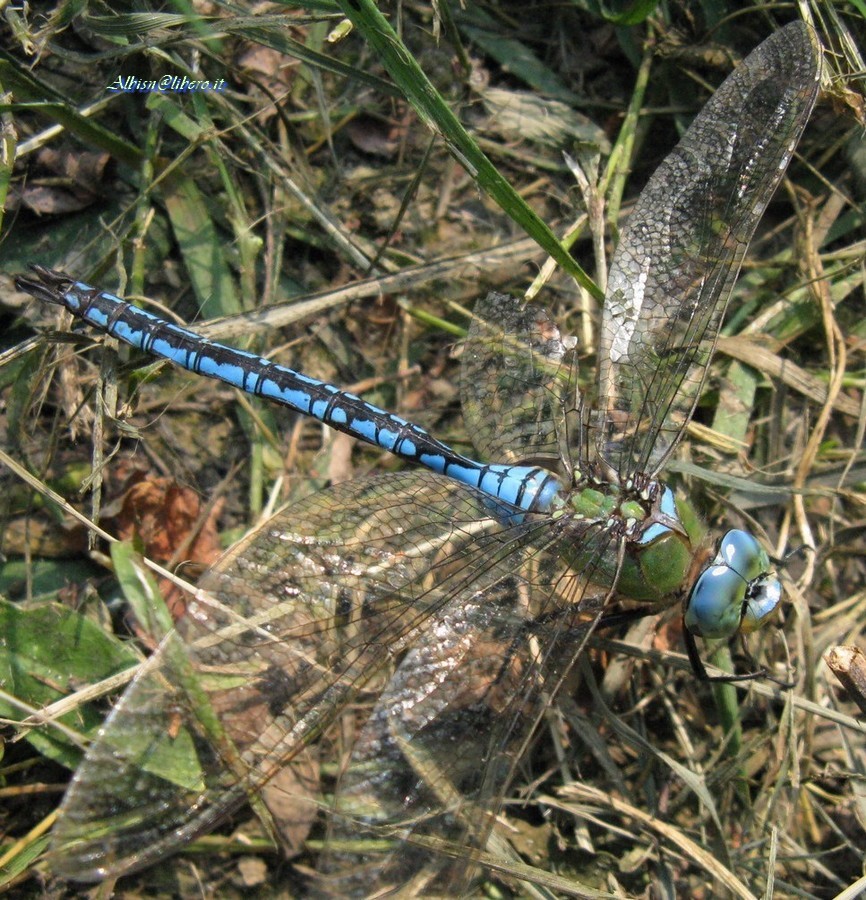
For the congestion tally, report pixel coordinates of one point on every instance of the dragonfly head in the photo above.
(737, 591)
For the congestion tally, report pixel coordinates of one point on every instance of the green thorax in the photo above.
(662, 533)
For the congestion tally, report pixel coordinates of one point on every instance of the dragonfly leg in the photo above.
(701, 673)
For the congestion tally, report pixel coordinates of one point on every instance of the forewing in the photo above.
(306, 613)
(399, 588)
(518, 382)
(682, 247)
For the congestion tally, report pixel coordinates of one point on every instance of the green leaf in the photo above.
(513, 55)
(634, 13)
(27, 87)
(47, 652)
(141, 590)
(201, 247)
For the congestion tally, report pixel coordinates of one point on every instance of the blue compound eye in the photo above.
(715, 605)
(742, 553)
(737, 592)
(765, 594)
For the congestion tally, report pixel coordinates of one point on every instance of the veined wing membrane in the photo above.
(681, 250)
(457, 621)
(442, 744)
(518, 382)
(321, 601)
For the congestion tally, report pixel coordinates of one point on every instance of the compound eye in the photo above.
(715, 605)
(736, 592)
(742, 553)
(762, 600)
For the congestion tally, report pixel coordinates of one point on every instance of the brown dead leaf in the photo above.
(85, 171)
(266, 71)
(165, 518)
(373, 136)
(252, 871)
(291, 798)
(248, 712)
(70, 181)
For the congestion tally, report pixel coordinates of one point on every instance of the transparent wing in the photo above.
(681, 250)
(369, 587)
(438, 752)
(417, 763)
(518, 382)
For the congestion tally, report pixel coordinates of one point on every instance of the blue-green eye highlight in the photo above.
(736, 592)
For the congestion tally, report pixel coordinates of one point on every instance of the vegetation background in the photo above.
(328, 208)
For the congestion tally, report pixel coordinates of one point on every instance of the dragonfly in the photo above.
(451, 599)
